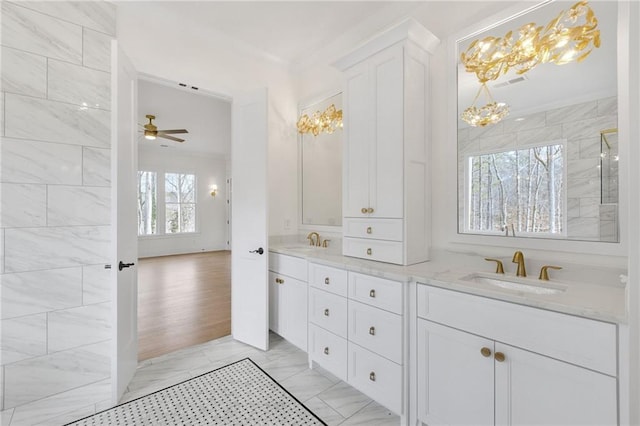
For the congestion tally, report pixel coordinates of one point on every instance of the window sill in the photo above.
(168, 236)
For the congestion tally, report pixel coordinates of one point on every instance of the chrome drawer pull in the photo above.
(372, 293)
(372, 331)
(326, 351)
(326, 312)
(372, 376)
(326, 280)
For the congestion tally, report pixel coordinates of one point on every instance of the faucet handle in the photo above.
(499, 267)
(544, 274)
(325, 243)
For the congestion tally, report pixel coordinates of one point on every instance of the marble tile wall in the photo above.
(55, 210)
(580, 126)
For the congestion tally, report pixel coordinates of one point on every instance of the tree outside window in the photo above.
(180, 203)
(520, 188)
(147, 203)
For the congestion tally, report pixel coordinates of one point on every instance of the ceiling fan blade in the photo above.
(160, 135)
(170, 132)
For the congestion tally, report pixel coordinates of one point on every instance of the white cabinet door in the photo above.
(274, 302)
(532, 389)
(386, 170)
(455, 380)
(358, 138)
(295, 311)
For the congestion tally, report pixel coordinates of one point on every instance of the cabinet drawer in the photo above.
(380, 229)
(377, 330)
(379, 292)
(380, 250)
(328, 311)
(376, 377)
(330, 279)
(329, 351)
(561, 336)
(288, 265)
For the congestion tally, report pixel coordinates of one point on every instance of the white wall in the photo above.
(56, 196)
(207, 59)
(211, 220)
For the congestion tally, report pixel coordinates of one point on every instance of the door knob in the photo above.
(123, 265)
(259, 251)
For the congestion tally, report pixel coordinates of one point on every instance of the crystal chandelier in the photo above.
(327, 121)
(490, 113)
(566, 38)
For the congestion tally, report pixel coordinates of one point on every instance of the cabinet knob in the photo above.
(369, 230)
(369, 251)
(372, 331)
(486, 352)
(372, 376)
(326, 312)
(364, 210)
(326, 350)
(326, 280)
(279, 280)
(370, 210)
(499, 356)
(372, 293)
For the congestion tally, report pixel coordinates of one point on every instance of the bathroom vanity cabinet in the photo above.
(482, 361)
(356, 331)
(288, 298)
(386, 135)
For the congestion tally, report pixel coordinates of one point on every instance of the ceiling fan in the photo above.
(151, 131)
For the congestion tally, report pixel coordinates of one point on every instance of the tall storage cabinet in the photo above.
(386, 200)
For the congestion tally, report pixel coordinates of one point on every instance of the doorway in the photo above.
(184, 265)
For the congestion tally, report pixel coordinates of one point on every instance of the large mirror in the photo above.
(321, 170)
(548, 169)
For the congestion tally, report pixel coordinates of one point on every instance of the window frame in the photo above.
(468, 180)
(180, 203)
(155, 173)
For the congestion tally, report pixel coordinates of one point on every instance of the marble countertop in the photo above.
(594, 292)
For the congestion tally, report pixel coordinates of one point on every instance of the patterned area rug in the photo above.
(237, 394)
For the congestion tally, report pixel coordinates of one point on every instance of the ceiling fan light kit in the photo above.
(151, 131)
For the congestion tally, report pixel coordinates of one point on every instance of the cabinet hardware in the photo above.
(326, 280)
(372, 376)
(372, 331)
(326, 350)
(372, 293)
(369, 230)
(370, 210)
(486, 352)
(363, 210)
(326, 312)
(279, 280)
(499, 356)
(369, 251)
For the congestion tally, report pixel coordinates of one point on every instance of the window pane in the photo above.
(172, 187)
(187, 218)
(522, 189)
(147, 203)
(172, 212)
(187, 188)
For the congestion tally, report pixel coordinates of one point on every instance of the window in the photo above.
(180, 203)
(523, 189)
(147, 203)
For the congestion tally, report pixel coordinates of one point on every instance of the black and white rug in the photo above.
(237, 394)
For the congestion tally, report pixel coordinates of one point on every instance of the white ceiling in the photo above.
(208, 119)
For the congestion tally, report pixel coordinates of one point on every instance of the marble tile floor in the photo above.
(329, 398)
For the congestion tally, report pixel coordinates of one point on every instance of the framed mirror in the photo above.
(321, 169)
(548, 169)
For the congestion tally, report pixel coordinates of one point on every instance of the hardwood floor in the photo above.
(183, 300)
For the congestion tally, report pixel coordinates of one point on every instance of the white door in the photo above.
(124, 160)
(455, 377)
(249, 287)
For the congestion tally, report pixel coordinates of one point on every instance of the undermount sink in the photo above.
(302, 248)
(525, 285)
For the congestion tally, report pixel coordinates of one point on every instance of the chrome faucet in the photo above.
(518, 258)
(314, 239)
